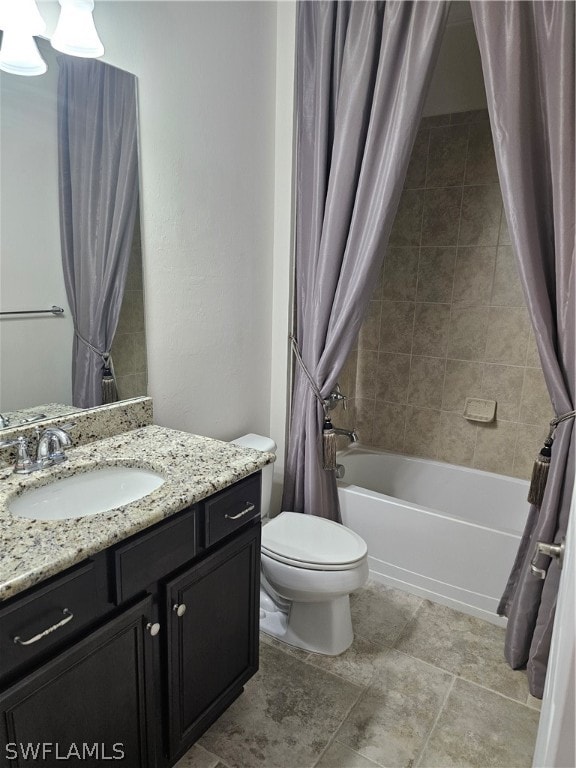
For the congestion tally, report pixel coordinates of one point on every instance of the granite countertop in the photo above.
(194, 467)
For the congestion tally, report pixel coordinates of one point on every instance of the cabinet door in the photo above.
(92, 700)
(213, 645)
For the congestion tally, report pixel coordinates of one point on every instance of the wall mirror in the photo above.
(36, 349)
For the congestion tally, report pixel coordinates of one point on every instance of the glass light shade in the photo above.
(22, 15)
(19, 54)
(75, 32)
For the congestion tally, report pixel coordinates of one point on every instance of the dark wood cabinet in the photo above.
(213, 644)
(92, 700)
(172, 639)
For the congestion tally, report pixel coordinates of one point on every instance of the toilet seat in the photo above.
(314, 543)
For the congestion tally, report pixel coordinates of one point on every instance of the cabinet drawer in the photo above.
(147, 557)
(229, 510)
(51, 614)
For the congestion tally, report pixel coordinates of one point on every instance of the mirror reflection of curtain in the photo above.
(528, 58)
(362, 75)
(98, 189)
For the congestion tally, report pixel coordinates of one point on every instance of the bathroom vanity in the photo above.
(154, 607)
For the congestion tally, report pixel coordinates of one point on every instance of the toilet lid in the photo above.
(311, 542)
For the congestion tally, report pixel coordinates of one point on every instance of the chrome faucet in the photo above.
(51, 444)
(49, 450)
(349, 433)
(4, 421)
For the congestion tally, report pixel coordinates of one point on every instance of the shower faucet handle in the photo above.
(335, 397)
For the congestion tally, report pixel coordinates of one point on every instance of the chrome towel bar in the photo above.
(54, 310)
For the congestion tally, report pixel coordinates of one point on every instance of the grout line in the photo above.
(435, 723)
(332, 739)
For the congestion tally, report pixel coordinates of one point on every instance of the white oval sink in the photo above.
(86, 493)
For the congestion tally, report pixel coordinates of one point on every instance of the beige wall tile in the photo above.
(481, 161)
(431, 327)
(457, 439)
(447, 156)
(422, 433)
(535, 407)
(389, 422)
(399, 274)
(140, 362)
(507, 335)
(495, 447)
(504, 238)
(369, 337)
(347, 378)
(507, 290)
(532, 355)
(441, 216)
(503, 383)
(396, 326)
(481, 212)
(463, 379)
(364, 419)
(436, 274)
(366, 381)
(392, 377)
(468, 331)
(433, 121)
(473, 276)
(426, 381)
(529, 441)
(408, 222)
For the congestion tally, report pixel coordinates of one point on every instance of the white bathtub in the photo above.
(440, 531)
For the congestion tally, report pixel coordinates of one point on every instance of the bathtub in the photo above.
(443, 532)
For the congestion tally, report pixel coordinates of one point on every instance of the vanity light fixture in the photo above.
(75, 32)
(20, 21)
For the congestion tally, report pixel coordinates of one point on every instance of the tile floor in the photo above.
(422, 686)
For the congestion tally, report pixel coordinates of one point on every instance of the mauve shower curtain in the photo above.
(98, 188)
(528, 59)
(362, 74)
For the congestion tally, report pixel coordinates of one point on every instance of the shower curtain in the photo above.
(528, 59)
(98, 191)
(363, 70)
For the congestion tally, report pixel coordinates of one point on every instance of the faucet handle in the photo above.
(24, 464)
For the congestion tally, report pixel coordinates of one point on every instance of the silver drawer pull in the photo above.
(249, 508)
(68, 617)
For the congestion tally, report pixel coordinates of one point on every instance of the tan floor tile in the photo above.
(379, 613)
(392, 720)
(198, 757)
(481, 729)
(463, 645)
(358, 664)
(340, 756)
(286, 716)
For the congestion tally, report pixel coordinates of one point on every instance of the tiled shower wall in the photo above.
(129, 347)
(448, 320)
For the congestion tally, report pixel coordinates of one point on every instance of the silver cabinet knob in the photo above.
(153, 629)
(179, 610)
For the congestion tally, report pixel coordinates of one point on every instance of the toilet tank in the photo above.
(261, 443)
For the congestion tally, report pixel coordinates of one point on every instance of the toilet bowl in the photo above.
(309, 566)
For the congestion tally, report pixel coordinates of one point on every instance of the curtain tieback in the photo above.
(109, 388)
(328, 432)
(542, 462)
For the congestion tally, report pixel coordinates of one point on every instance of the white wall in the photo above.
(206, 80)
(457, 83)
(35, 352)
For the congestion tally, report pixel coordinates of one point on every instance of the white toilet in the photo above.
(309, 567)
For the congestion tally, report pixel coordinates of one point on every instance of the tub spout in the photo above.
(349, 433)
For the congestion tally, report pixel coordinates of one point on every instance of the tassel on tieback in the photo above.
(541, 466)
(328, 445)
(109, 388)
